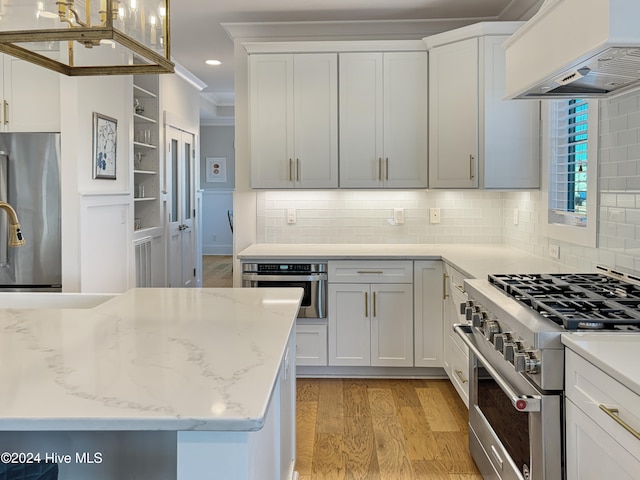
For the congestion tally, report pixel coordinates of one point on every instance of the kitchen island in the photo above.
(154, 384)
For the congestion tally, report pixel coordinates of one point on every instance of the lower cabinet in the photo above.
(597, 443)
(456, 353)
(371, 324)
(311, 344)
(428, 294)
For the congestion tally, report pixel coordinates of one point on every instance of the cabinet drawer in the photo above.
(371, 271)
(588, 388)
(460, 372)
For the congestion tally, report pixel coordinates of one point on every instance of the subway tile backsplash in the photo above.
(365, 216)
(476, 216)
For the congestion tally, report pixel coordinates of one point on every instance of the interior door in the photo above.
(180, 183)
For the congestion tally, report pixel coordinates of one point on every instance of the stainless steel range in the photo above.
(517, 362)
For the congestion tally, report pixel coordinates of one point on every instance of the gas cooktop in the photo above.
(577, 301)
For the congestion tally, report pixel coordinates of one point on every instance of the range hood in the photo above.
(575, 48)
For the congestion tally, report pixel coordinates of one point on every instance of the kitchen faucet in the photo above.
(15, 235)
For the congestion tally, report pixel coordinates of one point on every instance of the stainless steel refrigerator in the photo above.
(30, 183)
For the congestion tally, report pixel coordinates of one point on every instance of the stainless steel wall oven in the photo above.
(311, 277)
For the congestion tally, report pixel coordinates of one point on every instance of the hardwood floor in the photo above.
(357, 429)
(217, 271)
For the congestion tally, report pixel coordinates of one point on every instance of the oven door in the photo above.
(314, 299)
(515, 431)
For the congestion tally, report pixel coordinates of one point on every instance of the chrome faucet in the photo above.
(15, 235)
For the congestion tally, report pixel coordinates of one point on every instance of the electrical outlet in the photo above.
(398, 216)
(554, 251)
(516, 216)
(434, 215)
(291, 216)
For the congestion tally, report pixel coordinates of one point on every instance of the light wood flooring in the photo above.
(217, 271)
(357, 429)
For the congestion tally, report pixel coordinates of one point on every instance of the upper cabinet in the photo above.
(294, 120)
(476, 138)
(383, 119)
(30, 97)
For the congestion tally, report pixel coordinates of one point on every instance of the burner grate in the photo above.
(577, 301)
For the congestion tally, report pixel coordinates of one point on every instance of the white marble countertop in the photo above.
(148, 359)
(614, 353)
(476, 261)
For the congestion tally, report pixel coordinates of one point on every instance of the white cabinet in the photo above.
(293, 102)
(456, 353)
(30, 97)
(311, 343)
(477, 139)
(383, 120)
(371, 322)
(597, 444)
(428, 293)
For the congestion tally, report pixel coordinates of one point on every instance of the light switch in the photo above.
(434, 215)
(291, 216)
(398, 216)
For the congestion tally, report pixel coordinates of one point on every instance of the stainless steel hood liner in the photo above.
(575, 48)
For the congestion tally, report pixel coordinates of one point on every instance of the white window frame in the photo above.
(579, 235)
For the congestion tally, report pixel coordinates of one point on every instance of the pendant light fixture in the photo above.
(88, 37)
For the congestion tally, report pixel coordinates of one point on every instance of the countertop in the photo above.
(148, 359)
(475, 261)
(615, 353)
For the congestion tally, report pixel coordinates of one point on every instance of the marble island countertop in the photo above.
(148, 359)
(476, 261)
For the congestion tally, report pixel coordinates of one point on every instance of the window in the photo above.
(572, 170)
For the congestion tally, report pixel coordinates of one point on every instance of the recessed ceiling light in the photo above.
(213, 62)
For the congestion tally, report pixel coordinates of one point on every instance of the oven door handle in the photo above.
(284, 278)
(522, 403)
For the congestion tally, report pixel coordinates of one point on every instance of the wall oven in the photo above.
(311, 277)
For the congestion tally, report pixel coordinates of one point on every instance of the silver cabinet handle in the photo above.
(369, 272)
(471, 158)
(5, 107)
(379, 168)
(297, 169)
(613, 413)
(387, 168)
(444, 286)
(290, 167)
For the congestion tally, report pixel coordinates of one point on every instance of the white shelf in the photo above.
(144, 145)
(141, 92)
(144, 199)
(143, 119)
(145, 172)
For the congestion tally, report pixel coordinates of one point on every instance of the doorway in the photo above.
(181, 209)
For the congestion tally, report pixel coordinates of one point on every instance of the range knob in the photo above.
(499, 340)
(510, 350)
(526, 362)
(491, 327)
(477, 319)
(470, 310)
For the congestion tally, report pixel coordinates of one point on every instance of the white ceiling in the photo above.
(197, 33)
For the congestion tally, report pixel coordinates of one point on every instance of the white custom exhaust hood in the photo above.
(575, 48)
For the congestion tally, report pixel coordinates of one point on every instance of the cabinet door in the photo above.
(31, 97)
(506, 126)
(592, 454)
(361, 149)
(405, 119)
(271, 126)
(316, 120)
(453, 115)
(348, 321)
(428, 288)
(391, 316)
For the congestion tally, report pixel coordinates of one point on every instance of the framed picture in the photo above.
(104, 146)
(216, 169)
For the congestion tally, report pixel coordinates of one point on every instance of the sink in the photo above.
(31, 300)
